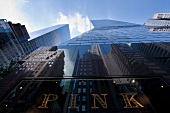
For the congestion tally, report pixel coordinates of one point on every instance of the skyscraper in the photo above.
(19, 31)
(44, 62)
(92, 64)
(10, 48)
(160, 22)
(116, 67)
(16, 43)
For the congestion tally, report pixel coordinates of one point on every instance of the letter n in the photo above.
(100, 100)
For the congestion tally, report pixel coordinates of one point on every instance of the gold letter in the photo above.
(103, 103)
(46, 100)
(127, 100)
(73, 102)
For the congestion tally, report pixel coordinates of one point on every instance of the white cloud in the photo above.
(12, 11)
(77, 23)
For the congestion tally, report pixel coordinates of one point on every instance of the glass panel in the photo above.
(48, 95)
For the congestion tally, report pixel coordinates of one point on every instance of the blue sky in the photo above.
(39, 14)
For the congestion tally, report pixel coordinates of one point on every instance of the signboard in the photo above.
(88, 95)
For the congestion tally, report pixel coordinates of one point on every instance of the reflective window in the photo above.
(84, 90)
(83, 107)
(79, 90)
(84, 98)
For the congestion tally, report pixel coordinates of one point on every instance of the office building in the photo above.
(41, 63)
(51, 36)
(19, 31)
(116, 67)
(44, 62)
(160, 22)
(10, 48)
(131, 62)
(16, 43)
(92, 64)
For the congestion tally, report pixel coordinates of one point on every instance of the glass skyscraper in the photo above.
(16, 43)
(117, 67)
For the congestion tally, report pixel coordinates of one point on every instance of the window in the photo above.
(83, 108)
(91, 90)
(79, 90)
(79, 83)
(84, 90)
(84, 83)
(91, 83)
(84, 98)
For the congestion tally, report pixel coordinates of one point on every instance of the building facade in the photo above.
(16, 43)
(10, 49)
(45, 62)
(160, 22)
(117, 67)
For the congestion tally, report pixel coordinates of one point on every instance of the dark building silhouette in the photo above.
(131, 62)
(115, 103)
(19, 31)
(92, 64)
(45, 62)
(10, 48)
(32, 93)
(155, 52)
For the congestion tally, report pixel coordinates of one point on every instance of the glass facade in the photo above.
(10, 48)
(117, 67)
(111, 95)
(118, 34)
(16, 43)
(51, 36)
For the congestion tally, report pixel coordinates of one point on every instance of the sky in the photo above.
(39, 14)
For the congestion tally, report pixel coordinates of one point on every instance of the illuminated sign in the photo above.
(101, 99)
